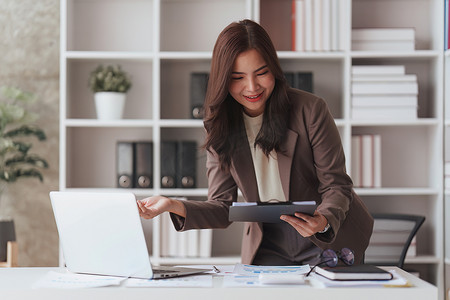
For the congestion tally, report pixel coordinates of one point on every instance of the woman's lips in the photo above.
(254, 98)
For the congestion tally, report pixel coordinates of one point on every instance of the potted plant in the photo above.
(110, 85)
(16, 161)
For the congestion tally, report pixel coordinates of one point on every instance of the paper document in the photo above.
(184, 281)
(250, 270)
(74, 281)
(241, 281)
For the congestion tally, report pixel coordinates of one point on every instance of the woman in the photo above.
(271, 142)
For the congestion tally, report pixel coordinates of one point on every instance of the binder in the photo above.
(143, 163)
(187, 161)
(305, 81)
(168, 164)
(300, 80)
(199, 83)
(124, 165)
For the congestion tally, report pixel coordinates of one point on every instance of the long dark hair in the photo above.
(223, 115)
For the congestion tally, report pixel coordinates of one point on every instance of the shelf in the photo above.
(147, 192)
(169, 123)
(417, 122)
(310, 55)
(116, 55)
(417, 54)
(396, 191)
(181, 123)
(101, 123)
(423, 259)
(185, 55)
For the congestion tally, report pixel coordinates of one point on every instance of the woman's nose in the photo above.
(252, 84)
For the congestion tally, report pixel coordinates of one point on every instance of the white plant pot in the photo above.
(109, 105)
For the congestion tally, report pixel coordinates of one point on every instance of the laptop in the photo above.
(101, 233)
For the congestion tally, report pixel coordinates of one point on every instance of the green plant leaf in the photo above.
(13, 175)
(14, 93)
(26, 159)
(27, 130)
(109, 79)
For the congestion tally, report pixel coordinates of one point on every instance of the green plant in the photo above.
(15, 131)
(109, 79)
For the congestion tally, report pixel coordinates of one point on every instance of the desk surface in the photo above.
(15, 283)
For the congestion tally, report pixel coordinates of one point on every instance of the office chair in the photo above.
(391, 238)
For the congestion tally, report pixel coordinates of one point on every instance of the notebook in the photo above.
(356, 272)
(101, 233)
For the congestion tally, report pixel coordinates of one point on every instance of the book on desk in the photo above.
(356, 272)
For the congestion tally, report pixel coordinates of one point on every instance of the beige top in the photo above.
(266, 168)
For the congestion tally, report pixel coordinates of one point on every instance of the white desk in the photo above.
(15, 283)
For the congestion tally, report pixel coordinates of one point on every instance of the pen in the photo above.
(216, 269)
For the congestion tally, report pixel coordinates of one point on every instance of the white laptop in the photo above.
(101, 233)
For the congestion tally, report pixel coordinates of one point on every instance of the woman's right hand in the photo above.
(153, 206)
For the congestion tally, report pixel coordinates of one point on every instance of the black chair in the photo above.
(391, 238)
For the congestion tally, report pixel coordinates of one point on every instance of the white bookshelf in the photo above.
(159, 42)
(447, 158)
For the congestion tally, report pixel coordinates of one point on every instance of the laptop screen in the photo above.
(101, 233)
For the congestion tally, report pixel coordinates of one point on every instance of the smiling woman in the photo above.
(271, 142)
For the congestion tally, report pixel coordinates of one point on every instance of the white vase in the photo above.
(109, 105)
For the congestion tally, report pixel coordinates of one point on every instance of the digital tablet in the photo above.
(268, 212)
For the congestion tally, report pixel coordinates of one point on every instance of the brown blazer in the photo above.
(312, 167)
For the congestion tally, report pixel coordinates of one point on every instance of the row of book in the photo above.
(199, 84)
(135, 164)
(366, 160)
(383, 92)
(190, 243)
(317, 25)
(383, 39)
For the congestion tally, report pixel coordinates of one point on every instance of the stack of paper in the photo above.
(383, 39)
(384, 92)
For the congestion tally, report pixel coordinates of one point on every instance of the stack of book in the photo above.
(317, 25)
(190, 243)
(384, 92)
(366, 160)
(387, 242)
(383, 39)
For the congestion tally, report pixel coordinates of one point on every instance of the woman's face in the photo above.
(251, 82)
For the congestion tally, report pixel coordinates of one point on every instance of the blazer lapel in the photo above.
(245, 171)
(285, 157)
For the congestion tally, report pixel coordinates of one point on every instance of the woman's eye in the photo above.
(236, 78)
(263, 73)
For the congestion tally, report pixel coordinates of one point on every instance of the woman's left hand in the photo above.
(305, 224)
